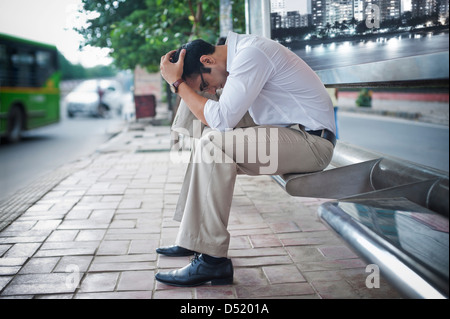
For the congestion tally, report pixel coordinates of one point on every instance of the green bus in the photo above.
(29, 86)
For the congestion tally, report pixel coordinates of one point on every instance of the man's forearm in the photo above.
(195, 102)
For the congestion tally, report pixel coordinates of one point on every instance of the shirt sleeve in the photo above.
(249, 72)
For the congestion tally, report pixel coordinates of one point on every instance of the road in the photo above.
(426, 144)
(43, 150)
(348, 53)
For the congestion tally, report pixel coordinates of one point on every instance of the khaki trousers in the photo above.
(207, 191)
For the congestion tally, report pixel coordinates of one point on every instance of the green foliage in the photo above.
(141, 31)
(364, 98)
(71, 71)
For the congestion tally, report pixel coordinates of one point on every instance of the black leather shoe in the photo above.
(199, 272)
(174, 251)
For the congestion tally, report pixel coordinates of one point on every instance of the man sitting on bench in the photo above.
(294, 120)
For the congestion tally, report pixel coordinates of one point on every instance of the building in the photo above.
(281, 18)
(278, 6)
(423, 7)
(430, 7)
(319, 12)
(330, 11)
(443, 10)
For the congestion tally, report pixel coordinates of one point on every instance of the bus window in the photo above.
(22, 64)
(3, 65)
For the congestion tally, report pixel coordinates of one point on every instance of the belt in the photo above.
(326, 134)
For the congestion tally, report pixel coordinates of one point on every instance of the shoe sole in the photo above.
(214, 282)
(175, 255)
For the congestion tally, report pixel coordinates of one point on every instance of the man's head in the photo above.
(204, 66)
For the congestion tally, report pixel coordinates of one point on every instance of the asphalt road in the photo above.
(46, 149)
(348, 53)
(426, 144)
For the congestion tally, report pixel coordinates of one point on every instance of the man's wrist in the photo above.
(176, 84)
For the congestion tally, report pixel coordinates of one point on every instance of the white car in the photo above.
(95, 98)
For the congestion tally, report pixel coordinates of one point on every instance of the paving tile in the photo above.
(126, 258)
(143, 246)
(337, 252)
(259, 241)
(310, 225)
(240, 242)
(37, 284)
(261, 261)
(62, 235)
(283, 274)
(71, 263)
(20, 239)
(53, 296)
(92, 245)
(339, 289)
(83, 224)
(9, 270)
(78, 214)
(136, 280)
(330, 264)
(65, 252)
(304, 253)
(4, 280)
(115, 295)
(180, 293)
(123, 224)
(284, 227)
(249, 276)
(121, 266)
(218, 292)
(130, 203)
(39, 265)
(271, 291)
(90, 235)
(130, 234)
(257, 252)
(4, 249)
(12, 261)
(113, 247)
(19, 226)
(23, 250)
(99, 282)
(102, 215)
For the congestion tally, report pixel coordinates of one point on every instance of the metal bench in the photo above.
(392, 212)
(355, 172)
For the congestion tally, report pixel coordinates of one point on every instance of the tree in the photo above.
(139, 32)
(70, 71)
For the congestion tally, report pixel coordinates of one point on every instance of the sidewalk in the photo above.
(94, 235)
(426, 108)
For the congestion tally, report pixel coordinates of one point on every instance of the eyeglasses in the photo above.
(204, 85)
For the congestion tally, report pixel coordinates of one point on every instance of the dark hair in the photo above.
(194, 50)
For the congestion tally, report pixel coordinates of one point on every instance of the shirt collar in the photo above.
(231, 50)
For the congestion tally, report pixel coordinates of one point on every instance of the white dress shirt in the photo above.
(275, 85)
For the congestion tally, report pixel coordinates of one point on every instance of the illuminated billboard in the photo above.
(364, 41)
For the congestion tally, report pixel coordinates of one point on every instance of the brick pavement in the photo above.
(94, 235)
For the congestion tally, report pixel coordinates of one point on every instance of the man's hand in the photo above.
(172, 72)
